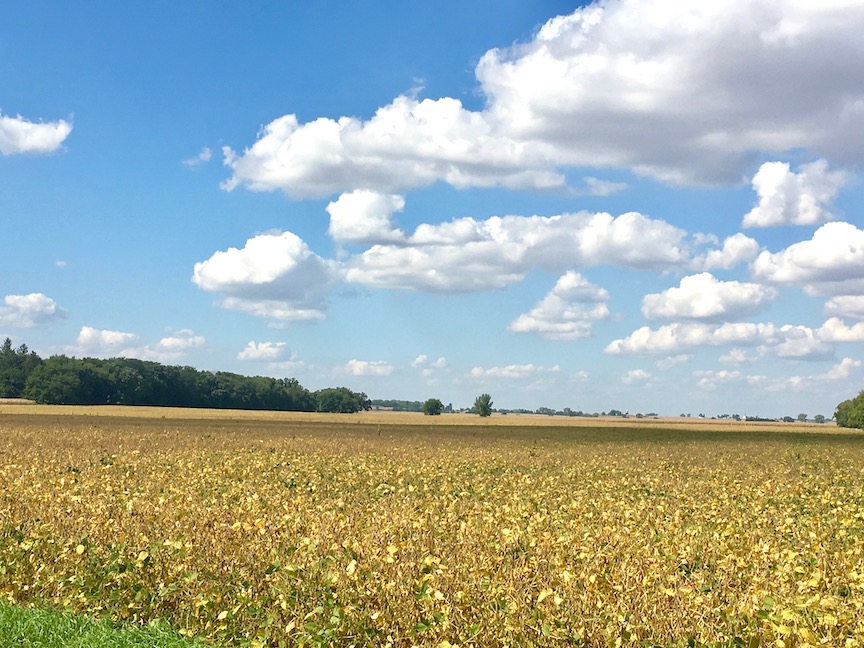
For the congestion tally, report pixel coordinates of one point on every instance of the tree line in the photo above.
(61, 380)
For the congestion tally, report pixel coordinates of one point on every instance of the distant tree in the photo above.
(850, 413)
(788, 419)
(341, 400)
(433, 407)
(483, 405)
(819, 418)
(802, 417)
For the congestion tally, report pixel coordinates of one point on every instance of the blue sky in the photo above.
(627, 205)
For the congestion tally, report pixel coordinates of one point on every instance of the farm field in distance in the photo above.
(280, 529)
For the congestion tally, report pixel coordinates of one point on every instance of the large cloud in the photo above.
(27, 311)
(703, 297)
(274, 276)
(787, 198)
(467, 255)
(685, 92)
(17, 135)
(831, 263)
(567, 312)
(786, 341)
(407, 144)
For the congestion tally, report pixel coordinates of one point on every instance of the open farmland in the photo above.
(278, 530)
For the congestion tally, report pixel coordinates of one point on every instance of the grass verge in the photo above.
(22, 627)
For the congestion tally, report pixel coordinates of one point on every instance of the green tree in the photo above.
(850, 413)
(341, 400)
(802, 417)
(819, 418)
(483, 405)
(16, 365)
(433, 407)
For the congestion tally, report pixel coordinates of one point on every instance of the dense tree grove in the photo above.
(15, 366)
(850, 413)
(128, 381)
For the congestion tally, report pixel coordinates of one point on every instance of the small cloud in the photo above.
(735, 357)
(672, 361)
(369, 368)
(423, 361)
(60, 264)
(102, 342)
(598, 187)
(836, 330)
(364, 217)
(636, 377)
(736, 249)
(851, 306)
(202, 158)
(262, 351)
(568, 312)
(788, 198)
(17, 135)
(274, 276)
(513, 372)
(28, 311)
(703, 297)
(842, 370)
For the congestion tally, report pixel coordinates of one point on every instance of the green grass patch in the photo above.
(22, 627)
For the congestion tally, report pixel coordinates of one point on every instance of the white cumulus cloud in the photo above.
(831, 263)
(851, 306)
(104, 343)
(27, 311)
(468, 255)
(787, 341)
(843, 370)
(788, 198)
(369, 368)
(513, 372)
(274, 276)
(703, 297)
(636, 377)
(836, 330)
(736, 249)
(683, 92)
(362, 216)
(18, 135)
(181, 341)
(101, 343)
(408, 143)
(567, 312)
(261, 351)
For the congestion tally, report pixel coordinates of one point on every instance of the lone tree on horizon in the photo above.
(433, 407)
(483, 405)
